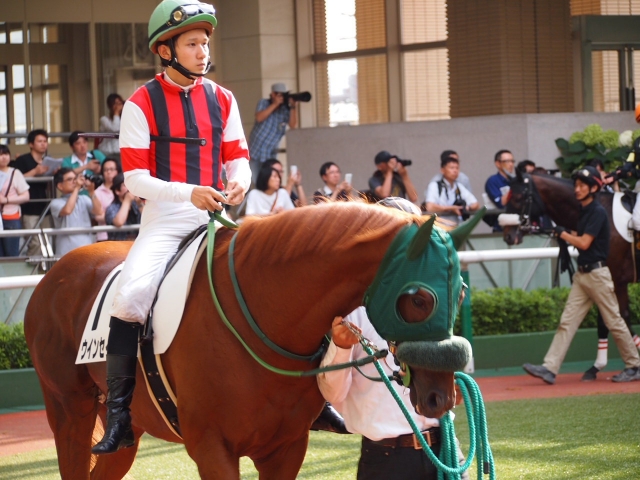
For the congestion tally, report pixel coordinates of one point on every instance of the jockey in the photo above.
(180, 182)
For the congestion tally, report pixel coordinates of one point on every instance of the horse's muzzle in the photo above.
(448, 355)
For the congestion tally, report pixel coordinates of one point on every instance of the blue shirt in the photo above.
(266, 135)
(492, 187)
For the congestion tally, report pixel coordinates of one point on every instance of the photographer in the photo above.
(391, 179)
(73, 210)
(448, 198)
(273, 115)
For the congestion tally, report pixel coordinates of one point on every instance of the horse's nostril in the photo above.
(435, 401)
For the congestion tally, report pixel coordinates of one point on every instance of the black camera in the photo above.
(96, 179)
(404, 163)
(296, 97)
(459, 202)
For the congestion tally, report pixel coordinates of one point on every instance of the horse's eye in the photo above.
(416, 307)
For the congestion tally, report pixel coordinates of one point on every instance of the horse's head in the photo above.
(523, 206)
(413, 302)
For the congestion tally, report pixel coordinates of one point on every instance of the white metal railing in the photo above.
(27, 281)
(67, 231)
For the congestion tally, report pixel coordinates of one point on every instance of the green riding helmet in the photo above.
(173, 17)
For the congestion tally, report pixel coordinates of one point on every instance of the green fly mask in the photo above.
(422, 266)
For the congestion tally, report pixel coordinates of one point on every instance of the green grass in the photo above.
(591, 438)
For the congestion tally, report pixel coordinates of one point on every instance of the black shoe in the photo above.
(590, 375)
(540, 372)
(627, 375)
(121, 381)
(329, 420)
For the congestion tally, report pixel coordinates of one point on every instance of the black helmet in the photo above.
(588, 175)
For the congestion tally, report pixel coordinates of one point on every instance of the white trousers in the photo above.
(162, 228)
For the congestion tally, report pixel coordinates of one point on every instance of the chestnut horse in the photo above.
(539, 194)
(298, 270)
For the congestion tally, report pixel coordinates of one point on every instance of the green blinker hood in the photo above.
(419, 258)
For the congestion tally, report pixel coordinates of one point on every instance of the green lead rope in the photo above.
(478, 437)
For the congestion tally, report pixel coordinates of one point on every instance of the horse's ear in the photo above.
(462, 231)
(421, 239)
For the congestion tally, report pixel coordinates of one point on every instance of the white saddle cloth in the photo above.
(167, 312)
(621, 218)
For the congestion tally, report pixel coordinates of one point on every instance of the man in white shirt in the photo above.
(462, 177)
(369, 409)
(447, 197)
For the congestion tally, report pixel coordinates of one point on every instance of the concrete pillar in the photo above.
(255, 46)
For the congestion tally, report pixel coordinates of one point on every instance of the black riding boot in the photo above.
(122, 352)
(329, 420)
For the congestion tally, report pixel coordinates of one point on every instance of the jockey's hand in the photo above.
(206, 198)
(341, 335)
(234, 193)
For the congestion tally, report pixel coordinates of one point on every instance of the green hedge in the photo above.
(13, 347)
(500, 311)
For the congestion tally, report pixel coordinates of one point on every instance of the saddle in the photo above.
(628, 200)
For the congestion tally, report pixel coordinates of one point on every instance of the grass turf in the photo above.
(559, 439)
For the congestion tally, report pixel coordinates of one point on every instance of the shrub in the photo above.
(507, 310)
(13, 347)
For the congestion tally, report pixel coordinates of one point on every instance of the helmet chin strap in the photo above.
(177, 66)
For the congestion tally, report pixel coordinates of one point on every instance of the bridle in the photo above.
(530, 198)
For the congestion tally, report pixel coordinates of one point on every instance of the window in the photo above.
(351, 62)
(425, 59)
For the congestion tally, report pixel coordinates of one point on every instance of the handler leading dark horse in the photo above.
(179, 182)
(591, 284)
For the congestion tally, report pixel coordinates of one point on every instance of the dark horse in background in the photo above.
(298, 270)
(538, 194)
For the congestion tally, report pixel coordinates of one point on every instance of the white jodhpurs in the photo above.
(163, 226)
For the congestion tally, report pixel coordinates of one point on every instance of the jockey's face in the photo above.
(192, 50)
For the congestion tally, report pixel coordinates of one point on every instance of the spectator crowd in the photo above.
(86, 188)
(82, 190)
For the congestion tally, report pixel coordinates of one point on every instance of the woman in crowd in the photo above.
(111, 124)
(124, 210)
(268, 197)
(109, 169)
(14, 191)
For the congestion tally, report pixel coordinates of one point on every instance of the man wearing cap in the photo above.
(591, 284)
(180, 182)
(391, 179)
(272, 118)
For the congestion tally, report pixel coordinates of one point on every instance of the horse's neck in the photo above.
(559, 201)
(308, 294)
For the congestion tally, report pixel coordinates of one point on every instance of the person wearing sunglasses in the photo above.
(180, 182)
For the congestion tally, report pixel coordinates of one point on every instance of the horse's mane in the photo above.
(328, 228)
